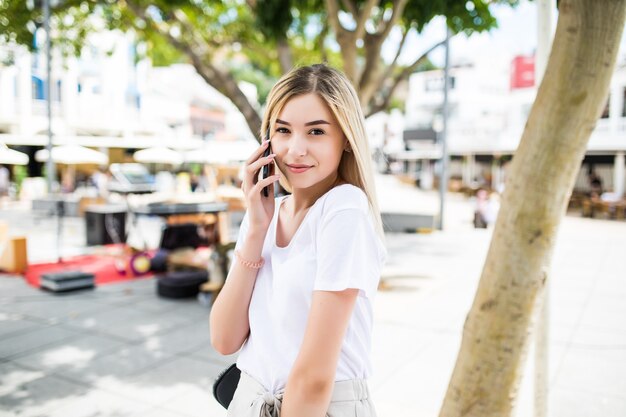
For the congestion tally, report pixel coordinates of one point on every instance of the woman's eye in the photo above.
(282, 130)
(316, 132)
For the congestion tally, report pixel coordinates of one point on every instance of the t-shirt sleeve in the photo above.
(348, 253)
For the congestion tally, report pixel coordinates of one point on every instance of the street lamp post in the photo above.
(50, 172)
(442, 136)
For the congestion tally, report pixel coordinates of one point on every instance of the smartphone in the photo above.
(266, 168)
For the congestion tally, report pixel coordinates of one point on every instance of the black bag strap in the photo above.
(225, 385)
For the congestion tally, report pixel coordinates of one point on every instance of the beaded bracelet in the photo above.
(249, 264)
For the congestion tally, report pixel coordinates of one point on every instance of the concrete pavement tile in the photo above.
(526, 394)
(594, 370)
(386, 407)
(196, 402)
(96, 402)
(607, 312)
(104, 319)
(571, 305)
(176, 340)
(124, 297)
(388, 358)
(601, 338)
(142, 325)
(127, 322)
(576, 403)
(421, 383)
(31, 341)
(12, 286)
(119, 364)
(13, 376)
(130, 288)
(57, 308)
(76, 353)
(160, 412)
(14, 323)
(560, 334)
(165, 381)
(155, 304)
(612, 284)
(191, 309)
(40, 396)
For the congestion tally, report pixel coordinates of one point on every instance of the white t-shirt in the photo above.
(335, 247)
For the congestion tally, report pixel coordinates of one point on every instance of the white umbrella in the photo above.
(73, 155)
(222, 151)
(158, 155)
(11, 157)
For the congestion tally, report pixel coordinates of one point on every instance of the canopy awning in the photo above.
(72, 155)
(11, 157)
(158, 155)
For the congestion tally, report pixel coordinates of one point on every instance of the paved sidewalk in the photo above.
(120, 350)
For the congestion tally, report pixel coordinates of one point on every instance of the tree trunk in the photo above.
(486, 377)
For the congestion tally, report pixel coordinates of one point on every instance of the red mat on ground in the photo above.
(102, 266)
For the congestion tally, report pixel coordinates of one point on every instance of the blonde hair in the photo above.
(335, 90)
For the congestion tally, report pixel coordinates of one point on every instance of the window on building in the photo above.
(56, 94)
(436, 83)
(37, 88)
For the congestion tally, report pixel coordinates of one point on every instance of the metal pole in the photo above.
(545, 10)
(50, 173)
(443, 135)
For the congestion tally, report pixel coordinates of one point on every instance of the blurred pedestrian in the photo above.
(100, 180)
(487, 208)
(595, 184)
(4, 181)
(480, 211)
(307, 266)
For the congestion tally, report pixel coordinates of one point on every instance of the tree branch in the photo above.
(391, 67)
(396, 13)
(383, 103)
(346, 41)
(333, 16)
(373, 45)
(180, 17)
(223, 82)
(372, 82)
(362, 16)
(285, 56)
(350, 5)
(321, 39)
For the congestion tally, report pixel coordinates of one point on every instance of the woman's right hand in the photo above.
(260, 208)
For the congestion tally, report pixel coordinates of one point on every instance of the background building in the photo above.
(490, 101)
(110, 99)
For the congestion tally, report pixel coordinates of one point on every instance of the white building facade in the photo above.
(489, 104)
(110, 98)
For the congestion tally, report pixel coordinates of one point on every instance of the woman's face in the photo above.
(308, 141)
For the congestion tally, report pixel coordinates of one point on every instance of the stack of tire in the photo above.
(178, 284)
(181, 284)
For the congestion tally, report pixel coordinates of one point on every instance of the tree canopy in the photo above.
(258, 40)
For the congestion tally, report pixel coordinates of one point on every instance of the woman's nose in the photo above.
(297, 145)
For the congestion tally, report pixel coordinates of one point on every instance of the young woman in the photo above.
(298, 298)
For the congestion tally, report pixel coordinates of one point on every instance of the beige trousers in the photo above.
(350, 399)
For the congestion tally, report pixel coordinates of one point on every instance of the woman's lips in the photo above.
(297, 169)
